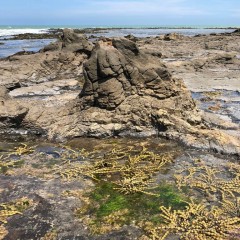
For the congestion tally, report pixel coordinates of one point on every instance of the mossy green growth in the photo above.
(171, 197)
(106, 200)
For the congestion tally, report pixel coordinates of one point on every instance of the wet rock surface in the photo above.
(114, 87)
(56, 198)
(54, 210)
(51, 209)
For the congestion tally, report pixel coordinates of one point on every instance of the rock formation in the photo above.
(173, 36)
(125, 92)
(135, 88)
(60, 60)
(72, 42)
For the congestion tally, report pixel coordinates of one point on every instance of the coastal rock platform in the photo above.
(118, 87)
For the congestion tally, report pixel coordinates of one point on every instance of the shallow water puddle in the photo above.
(226, 103)
(89, 187)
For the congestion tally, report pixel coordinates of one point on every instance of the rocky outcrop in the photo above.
(29, 70)
(46, 71)
(173, 37)
(236, 32)
(76, 42)
(126, 91)
(60, 60)
(132, 38)
(72, 42)
(48, 35)
(117, 74)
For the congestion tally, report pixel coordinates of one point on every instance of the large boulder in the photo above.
(124, 86)
(118, 71)
(126, 92)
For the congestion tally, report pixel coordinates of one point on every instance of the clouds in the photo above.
(121, 12)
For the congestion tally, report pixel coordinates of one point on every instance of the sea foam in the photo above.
(10, 31)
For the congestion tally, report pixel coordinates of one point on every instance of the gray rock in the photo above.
(11, 114)
(127, 47)
(56, 46)
(76, 42)
(46, 89)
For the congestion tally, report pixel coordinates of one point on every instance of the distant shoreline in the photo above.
(113, 27)
(139, 31)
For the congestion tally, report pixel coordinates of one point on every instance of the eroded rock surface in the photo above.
(11, 113)
(57, 61)
(126, 90)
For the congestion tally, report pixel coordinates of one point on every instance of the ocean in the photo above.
(138, 31)
(9, 47)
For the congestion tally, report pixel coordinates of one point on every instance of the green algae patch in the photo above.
(139, 204)
(126, 191)
(107, 200)
(110, 208)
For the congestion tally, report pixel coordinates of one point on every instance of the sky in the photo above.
(120, 12)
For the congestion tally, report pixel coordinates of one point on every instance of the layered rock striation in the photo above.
(135, 88)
